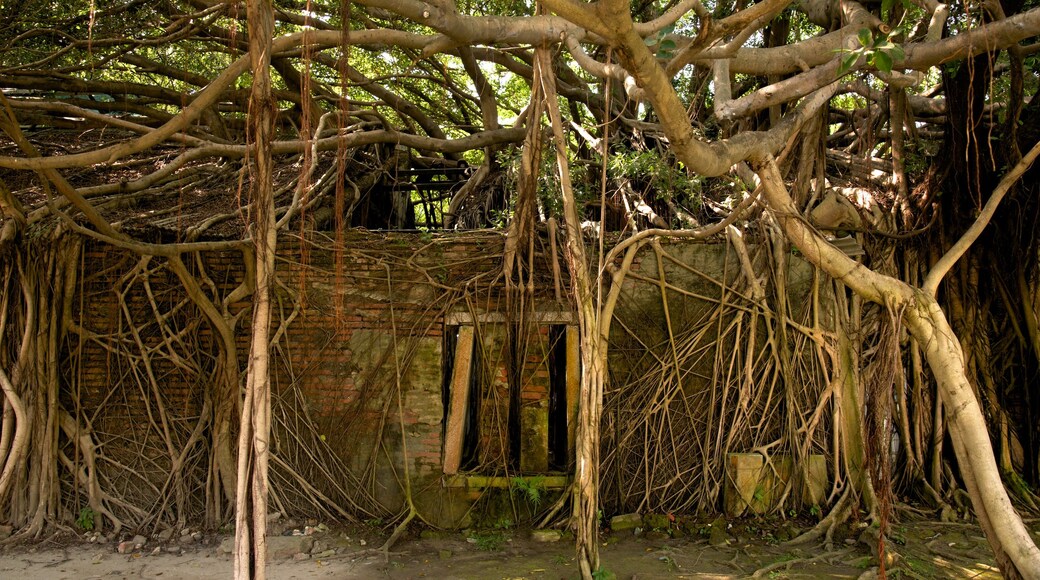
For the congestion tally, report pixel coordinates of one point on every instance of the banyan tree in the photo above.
(372, 259)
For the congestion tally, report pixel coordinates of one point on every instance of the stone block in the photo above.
(429, 534)
(546, 536)
(754, 486)
(816, 481)
(743, 478)
(656, 521)
(625, 522)
(285, 547)
(718, 535)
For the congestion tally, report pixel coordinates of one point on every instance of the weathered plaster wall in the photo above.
(360, 327)
(673, 411)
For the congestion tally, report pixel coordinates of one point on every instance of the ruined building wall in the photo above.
(387, 311)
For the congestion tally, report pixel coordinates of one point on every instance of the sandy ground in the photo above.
(927, 550)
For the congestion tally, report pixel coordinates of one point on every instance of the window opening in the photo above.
(558, 424)
(471, 427)
(509, 405)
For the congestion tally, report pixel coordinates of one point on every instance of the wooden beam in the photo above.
(573, 378)
(458, 400)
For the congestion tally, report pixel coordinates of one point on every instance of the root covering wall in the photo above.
(364, 341)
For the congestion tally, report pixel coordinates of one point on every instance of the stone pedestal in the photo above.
(754, 486)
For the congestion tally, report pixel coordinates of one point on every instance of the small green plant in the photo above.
(85, 521)
(920, 568)
(560, 559)
(815, 511)
(603, 574)
(530, 488)
(503, 523)
(669, 563)
(489, 541)
(760, 494)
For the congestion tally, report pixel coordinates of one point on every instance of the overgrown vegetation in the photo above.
(177, 147)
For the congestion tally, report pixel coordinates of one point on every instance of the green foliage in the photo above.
(85, 521)
(654, 172)
(489, 541)
(503, 523)
(531, 489)
(887, 5)
(665, 47)
(760, 494)
(550, 195)
(879, 49)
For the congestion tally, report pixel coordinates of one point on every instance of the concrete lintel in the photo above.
(485, 481)
(465, 317)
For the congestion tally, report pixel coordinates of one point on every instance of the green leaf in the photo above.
(847, 63)
(886, 8)
(897, 52)
(667, 45)
(883, 62)
(865, 37)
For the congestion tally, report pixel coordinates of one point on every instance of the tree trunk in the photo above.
(255, 426)
(593, 345)
(1008, 537)
(1012, 545)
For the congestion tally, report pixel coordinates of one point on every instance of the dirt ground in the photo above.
(925, 549)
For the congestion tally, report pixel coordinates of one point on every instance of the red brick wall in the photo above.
(335, 363)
